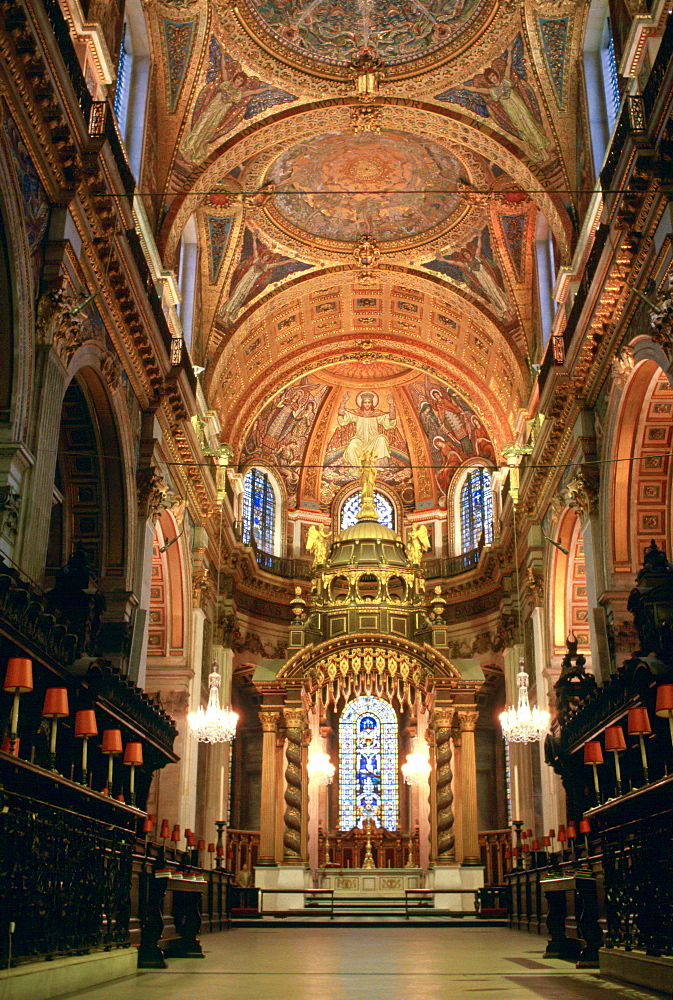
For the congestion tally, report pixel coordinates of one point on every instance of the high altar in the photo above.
(366, 682)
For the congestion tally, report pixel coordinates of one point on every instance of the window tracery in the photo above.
(476, 509)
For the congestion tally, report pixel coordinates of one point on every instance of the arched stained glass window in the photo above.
(259, 510)
(368, 780)
(351, 508)
(476, 509)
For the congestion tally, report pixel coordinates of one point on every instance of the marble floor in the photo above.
(400, 963)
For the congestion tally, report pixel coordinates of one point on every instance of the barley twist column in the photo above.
(471, 854)
(446, 853)
(292, 845)
(267, 820)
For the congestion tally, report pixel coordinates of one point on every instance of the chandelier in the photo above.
(416, 768)
(213, 724)
(524, 724)
(320, 768)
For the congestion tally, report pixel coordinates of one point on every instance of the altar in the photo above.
(370, 881)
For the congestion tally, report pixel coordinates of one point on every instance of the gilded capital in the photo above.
(269, 721)
(295, 718)
(468, 720)
(442, 717)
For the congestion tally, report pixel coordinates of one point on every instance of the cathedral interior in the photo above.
(336, 396)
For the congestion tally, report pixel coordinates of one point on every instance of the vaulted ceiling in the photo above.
(366, 180)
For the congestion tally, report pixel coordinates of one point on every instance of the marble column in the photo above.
(267, 822)
(470, 823)
(292, 837)
(446, 841)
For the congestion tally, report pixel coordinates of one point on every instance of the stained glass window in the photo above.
(351, 508)
(368, 774)
(259, 510)
(476, 509)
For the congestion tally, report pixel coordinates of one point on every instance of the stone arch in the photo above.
(569, 612)
(640, 474)
(167, 626)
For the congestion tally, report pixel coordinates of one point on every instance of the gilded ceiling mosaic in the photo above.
(395, 32)
(388, 186)
(368, 182)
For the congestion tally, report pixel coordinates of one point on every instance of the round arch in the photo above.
(277, 531)
(569, 611)
(167, 638)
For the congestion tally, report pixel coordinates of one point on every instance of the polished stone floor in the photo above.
(400, 963)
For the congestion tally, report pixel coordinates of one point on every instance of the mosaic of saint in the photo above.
(475, 267)
(258, 266)
(395, 32)
(501, 92)
(280, 433)
(228, 97)
(453, 430)
(366, 422)
(389, 186)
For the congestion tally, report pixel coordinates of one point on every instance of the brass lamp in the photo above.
(639, 725)
(664, 705)
(593, 754)
(615, 744)
(55, 707)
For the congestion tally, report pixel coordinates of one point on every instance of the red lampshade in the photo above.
(175, 835)
(614, 738)
(187, 831)
(664, 699)
(120, 797)
(535, 846)
(526, 849)
(112, 741)
(220, 852)
(165, 829)
(6, 743)
(639, 722)
(148, 825)
(572, 832)
(561, 836)
(593, 752)
(133, 753)
(201, 846)
(546, 842)
(529, 834)
(19, 676)
(508, 855)
(153, 817)
(191, 839)
(552, 834)
(585, 826)
(55, 703)
(85, 722)
(211, 848)
(524, 834)
(515, 852)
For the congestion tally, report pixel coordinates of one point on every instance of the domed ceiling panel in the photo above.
(389, 186)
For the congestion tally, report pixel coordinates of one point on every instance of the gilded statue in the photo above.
(317, 542)
(418, 542)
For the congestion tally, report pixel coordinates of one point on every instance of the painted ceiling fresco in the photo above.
(443, 134)
(395, 32)
(388, 186)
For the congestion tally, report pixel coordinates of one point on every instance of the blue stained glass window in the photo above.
(476, 509)
(259, 510)
(123, 73)
(351, 508)
(368, 773)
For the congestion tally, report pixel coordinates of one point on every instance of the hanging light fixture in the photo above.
(524, 724)
(416, 768)
(320, 768)
(213, 724)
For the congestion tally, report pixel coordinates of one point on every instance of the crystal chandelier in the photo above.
(320, 768)
(416, 768)
(213, 724)
(524, 724)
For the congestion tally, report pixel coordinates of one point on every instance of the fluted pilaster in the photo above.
(468, 760)
(267, 820)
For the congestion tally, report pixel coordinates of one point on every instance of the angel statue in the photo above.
(418, 542)
(317, 543)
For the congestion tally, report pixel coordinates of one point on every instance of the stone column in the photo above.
(267, 821)
(446, 841)
(292, 836)
(471, 856)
